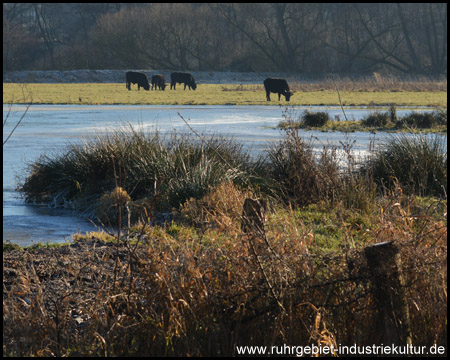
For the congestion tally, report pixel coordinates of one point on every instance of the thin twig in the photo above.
(339, 96)
(20, 120)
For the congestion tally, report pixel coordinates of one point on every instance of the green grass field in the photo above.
(207, 94)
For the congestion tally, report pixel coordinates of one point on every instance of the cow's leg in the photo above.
(268, 95)
(279, 96)
(128, 86)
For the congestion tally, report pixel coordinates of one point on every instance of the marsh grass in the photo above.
(299, 176)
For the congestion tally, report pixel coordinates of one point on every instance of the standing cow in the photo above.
(279, 86)
(137, 78)
(186, 78)
(158, 81)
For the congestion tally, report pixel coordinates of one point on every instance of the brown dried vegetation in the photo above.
(204, 291)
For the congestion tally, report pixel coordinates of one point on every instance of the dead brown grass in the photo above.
(176, 293)
(376, 82)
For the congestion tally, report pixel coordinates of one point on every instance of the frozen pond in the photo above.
(47, 128)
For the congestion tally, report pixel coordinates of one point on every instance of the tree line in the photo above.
(345, 38)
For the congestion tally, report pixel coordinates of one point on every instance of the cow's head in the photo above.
(288, 95)
(146, 86)
(194, 86)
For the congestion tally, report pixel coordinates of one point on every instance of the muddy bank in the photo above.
(65, 287)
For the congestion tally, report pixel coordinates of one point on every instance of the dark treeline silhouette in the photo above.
(401, 38)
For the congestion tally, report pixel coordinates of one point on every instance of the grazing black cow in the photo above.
(137, 78)
(186, 78)
(279, 86)
(158, 81)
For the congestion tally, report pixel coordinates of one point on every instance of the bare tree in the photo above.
(296, 37)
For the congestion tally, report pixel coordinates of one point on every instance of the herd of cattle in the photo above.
(277, 86)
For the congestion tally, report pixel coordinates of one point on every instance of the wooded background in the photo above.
(342, 38)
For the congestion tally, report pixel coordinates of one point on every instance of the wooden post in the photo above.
(389, 292)
(253, 217)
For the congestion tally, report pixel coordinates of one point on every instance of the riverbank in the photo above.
(179, 290)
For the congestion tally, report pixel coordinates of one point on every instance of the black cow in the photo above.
(279, 86)
(158, 81)
(186, 78)
(137, 78)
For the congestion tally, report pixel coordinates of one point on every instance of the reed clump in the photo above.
(299, 177)
(417, 162)
(377, 120)
(306, 119)
(149, 167)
